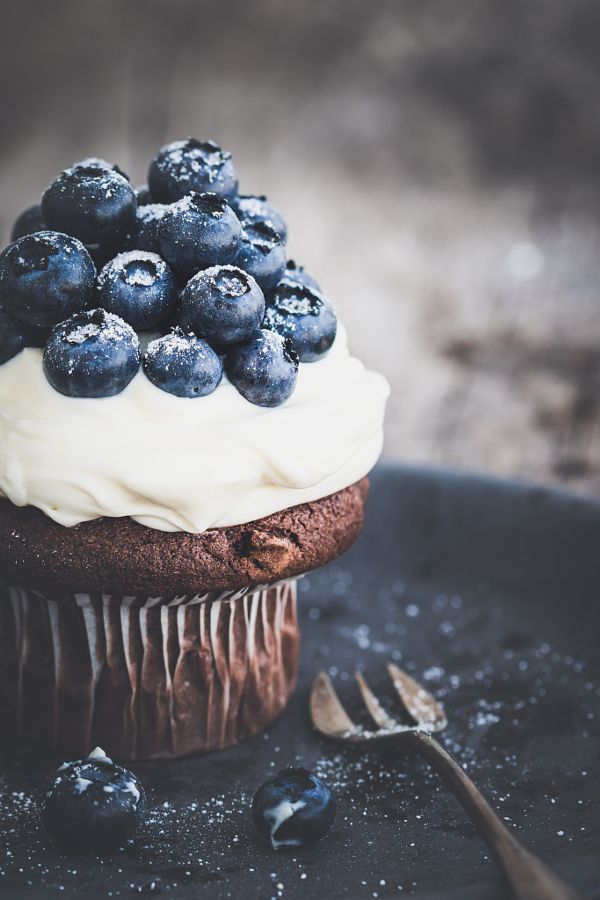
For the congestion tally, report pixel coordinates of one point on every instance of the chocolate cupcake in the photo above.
(158, 505)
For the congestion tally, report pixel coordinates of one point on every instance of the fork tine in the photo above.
(418, 702)
(327, 713)
(376, 711)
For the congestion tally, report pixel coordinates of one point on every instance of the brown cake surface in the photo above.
(119, 556)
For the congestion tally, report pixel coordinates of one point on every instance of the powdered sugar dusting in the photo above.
(198, 156)
(139, 268)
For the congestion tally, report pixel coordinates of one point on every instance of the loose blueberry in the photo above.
(293, 809)
(29, 222)
(264, 369)
(45, 277)
(191, 165)
(257, 208)
(12, 337)
(297, 274)
(303, 316)
(92, 354)
(93, 203)
(144, 197)
(93, 804)
(223, 304)
(261, 253)
(183, 364)
(139, 287)
(199, 231)
(144, 235)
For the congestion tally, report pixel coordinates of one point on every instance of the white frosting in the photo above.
(280, 814)
(180, 464)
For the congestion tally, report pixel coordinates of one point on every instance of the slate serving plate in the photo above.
(489, 592)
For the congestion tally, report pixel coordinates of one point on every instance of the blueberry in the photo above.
(257, 208)
(92, 354)
(199, 231)
(144, 235)
(223, 304)
(93, 804)
(261, 253)
(297, 274)
(94, 203)
(45, 277)
(144, 197)
(13, 337)
(183, 364)
(191, 165)
(139, 287)
(264, 369)
(303, 316)
(293, 809)
(29, 222)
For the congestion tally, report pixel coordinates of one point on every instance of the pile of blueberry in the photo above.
(186, 256)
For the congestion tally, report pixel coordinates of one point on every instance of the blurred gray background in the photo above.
(438, 164)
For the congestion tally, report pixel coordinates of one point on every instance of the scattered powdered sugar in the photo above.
(523, 722)
(81, 333)
(175, 344)
(194, 203)
(97, 324)
(152, 212)
(293, 299)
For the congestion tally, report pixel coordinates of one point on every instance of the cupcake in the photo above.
(183, 433)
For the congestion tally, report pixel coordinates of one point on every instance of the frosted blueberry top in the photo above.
(162, 358)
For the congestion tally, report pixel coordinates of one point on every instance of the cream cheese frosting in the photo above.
(177, 464)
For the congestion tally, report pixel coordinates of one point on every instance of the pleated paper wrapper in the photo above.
(145, 677)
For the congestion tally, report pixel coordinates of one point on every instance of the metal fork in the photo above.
(529, 878)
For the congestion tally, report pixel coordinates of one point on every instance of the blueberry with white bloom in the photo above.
(303, 316)
(45, 277)
(92, 354)
(29, 222)
(93, 202)
(144, 234)
(257, 208)
(223, 304)
(191, 165)
(199, 231)
(264, 369)
(93, 804)
(294, 272)
(261, 253)
(293, 809)
(139, 287)
(183, 365)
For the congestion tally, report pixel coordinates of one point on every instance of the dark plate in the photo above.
(488, 591)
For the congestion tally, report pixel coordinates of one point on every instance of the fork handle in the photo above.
(528, 877)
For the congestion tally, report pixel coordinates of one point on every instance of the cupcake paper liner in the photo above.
(145, 677)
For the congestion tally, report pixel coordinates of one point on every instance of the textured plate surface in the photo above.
(490, 593)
